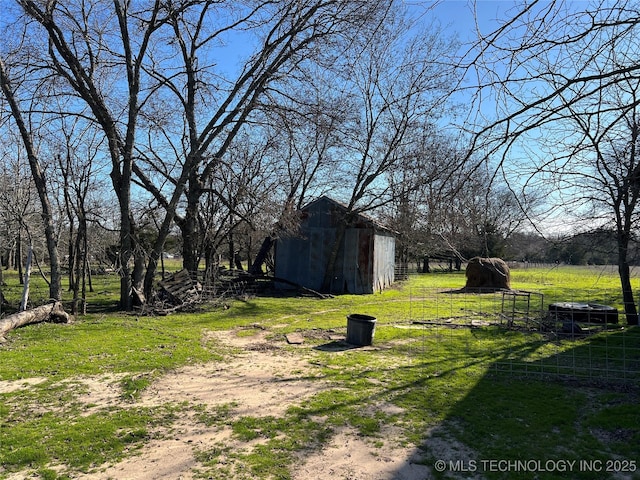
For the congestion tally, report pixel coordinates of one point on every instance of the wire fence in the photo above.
(526, 337)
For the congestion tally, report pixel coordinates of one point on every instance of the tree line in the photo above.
(213, 122)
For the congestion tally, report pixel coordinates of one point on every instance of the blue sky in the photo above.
(457, 15)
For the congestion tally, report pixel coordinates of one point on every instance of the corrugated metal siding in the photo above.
(365, 261)
(357, 261)
(321, 241)
(291, 258)
(303, 260)
(321, 214)
(384, 252)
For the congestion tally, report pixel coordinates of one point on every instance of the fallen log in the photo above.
(52, 312)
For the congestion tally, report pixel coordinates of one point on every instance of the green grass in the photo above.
(97, 344)
(34, 441)
(436, 379)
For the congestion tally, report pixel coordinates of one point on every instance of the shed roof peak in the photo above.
(358, 216)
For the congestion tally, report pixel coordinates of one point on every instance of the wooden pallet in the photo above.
(180, 287)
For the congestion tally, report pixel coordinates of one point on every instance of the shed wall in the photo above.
(365, 261)
(384, 252)
(302, 260)
(360, 267)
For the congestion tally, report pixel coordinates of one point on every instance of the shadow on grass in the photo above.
(425, 385)
(561, 410)
(336, 346)
(490, 408)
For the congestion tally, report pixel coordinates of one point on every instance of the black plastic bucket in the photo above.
(360, 329)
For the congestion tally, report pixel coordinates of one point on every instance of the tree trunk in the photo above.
(27, 278)
(425, 265)
(126, 284)
(261, 257)
(156, 253)
(87, 268)
(75, 264)
(625, 280)
(18, 258)
(72, 251)
(627, 294)
(211, 263)
(189, 227)
(39, 180)
(190, 257)
(232, 252)
(53, 312)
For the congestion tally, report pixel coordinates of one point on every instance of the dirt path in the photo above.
(258, 382)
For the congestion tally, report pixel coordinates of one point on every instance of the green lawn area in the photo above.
(484, 391)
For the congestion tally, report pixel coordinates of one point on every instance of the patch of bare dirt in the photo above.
(349, 456)
(264, 379)
(166, 459)
(7, 386)
(260, 382)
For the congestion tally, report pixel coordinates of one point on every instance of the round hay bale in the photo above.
(489, 273)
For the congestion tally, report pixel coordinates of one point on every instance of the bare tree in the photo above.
(605, 167)
(564, 77)
(19, 212)
(91, 47)
(79, 173)
(235, 197)
(216, 105)
(306, 131)
(28, 137)
(421, 189)
(124, 60)
(397, 85)
(153, 76)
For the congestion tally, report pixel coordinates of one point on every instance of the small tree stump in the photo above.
(52, 312)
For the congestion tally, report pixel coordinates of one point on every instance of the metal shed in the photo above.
(366, 257)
